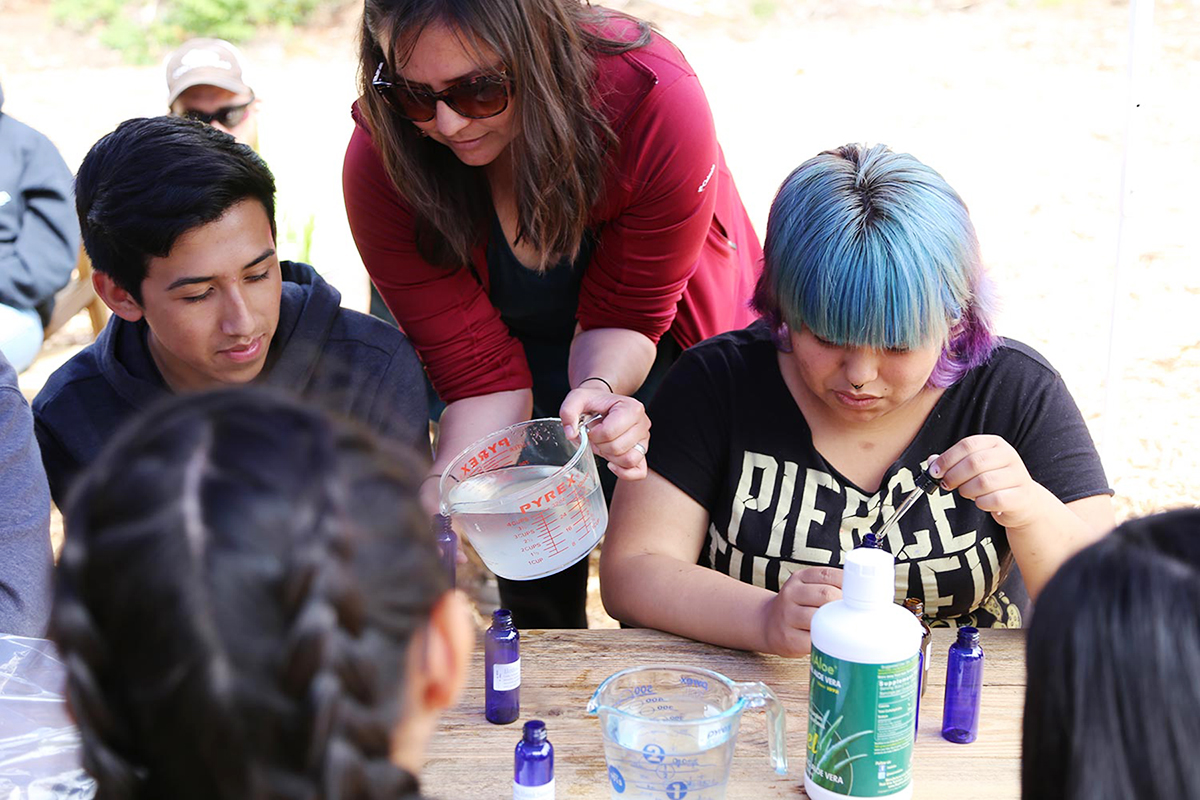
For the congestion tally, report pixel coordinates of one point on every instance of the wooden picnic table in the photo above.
(471, 758)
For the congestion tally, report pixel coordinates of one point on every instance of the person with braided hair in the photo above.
(250, 605)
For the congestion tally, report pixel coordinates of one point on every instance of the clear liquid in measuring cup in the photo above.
(661, 761)
(539, 535)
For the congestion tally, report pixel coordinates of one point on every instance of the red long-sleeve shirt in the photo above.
(676, 251)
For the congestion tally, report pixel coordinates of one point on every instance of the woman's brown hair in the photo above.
(559, 156)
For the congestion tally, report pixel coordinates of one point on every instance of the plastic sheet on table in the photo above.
(39, 745)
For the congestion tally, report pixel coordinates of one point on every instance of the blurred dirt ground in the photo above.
(1021, 104)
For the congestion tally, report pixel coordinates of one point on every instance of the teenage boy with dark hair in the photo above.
(178, 219)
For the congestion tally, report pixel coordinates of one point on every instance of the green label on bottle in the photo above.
(860, 725)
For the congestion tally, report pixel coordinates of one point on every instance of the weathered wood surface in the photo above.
(471, 758)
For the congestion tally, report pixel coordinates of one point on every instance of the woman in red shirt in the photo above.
(536, 189)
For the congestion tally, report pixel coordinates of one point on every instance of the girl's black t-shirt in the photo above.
(728, 433)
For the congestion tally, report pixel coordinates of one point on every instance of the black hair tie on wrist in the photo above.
(597, 378)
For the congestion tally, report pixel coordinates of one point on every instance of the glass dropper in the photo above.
(925, 484)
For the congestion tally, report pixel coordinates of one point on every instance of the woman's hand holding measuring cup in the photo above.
(621, 436)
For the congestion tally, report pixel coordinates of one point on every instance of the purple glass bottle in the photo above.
(533, 764)
(964, 680)
(447, 542)
(502, 660)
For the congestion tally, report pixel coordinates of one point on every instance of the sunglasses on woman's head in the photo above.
(226, 116)
(475, 98)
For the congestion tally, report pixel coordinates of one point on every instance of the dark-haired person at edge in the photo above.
(779, 446)
(250, 604)
(24, 516)
(536, 188)
(178, 219)
(1112, 704)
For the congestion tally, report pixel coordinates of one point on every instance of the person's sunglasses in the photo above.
(475, 98)
(226, 116)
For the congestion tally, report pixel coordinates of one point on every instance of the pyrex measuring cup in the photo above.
(528, 498)
(669, 730)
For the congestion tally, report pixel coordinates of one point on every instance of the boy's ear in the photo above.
(120, 301)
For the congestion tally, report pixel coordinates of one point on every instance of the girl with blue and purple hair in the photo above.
(779, 446)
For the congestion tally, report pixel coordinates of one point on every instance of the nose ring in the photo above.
(858, 386)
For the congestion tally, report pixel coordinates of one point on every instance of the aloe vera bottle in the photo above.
(863, 687)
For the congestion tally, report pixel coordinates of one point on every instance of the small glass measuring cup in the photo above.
(669, 730)
(528, 498)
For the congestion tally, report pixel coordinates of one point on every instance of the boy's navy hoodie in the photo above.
(343, 360)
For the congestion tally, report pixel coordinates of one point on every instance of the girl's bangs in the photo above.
(864, 300)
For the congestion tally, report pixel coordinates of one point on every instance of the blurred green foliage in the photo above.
(763, 10)
(141, 30)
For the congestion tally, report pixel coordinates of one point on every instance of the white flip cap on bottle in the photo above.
(869, 576)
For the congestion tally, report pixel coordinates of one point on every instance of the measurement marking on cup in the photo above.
(579, 511)
(677, 790)
(547, 535)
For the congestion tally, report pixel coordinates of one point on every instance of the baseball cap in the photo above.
(205, 62)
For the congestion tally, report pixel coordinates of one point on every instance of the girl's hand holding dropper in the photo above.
(988, 470)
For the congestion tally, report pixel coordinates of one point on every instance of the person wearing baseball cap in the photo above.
(206, 82)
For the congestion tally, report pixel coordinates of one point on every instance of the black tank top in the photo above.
(540, 308)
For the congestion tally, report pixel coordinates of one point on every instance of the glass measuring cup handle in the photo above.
(586, 421)
(593, 706)
(759, 695)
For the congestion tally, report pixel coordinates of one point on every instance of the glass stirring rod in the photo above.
(925, 484)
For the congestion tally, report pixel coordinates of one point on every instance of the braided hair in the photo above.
(241, 579)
